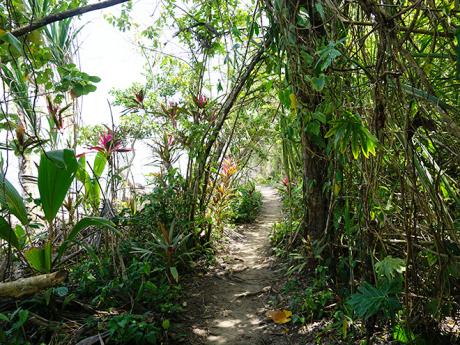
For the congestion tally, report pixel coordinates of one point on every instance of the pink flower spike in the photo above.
(286, 181)
(202, 101)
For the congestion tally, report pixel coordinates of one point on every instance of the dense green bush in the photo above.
(165, 204)
(246, 204)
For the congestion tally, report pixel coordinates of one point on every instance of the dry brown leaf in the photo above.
(279, 316)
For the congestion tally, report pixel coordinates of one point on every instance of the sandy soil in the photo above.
(228, 304)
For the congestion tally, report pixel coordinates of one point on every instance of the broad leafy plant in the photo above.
(381, 298)
(56, 172)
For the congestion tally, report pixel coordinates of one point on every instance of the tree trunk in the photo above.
(315, 167)
(314, 177)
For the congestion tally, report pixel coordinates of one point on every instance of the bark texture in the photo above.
(29, 286)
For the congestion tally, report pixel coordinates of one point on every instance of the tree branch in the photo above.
(56, 17)
(29, 286)
(449, 34)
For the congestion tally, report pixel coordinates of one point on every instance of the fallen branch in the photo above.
(56, 17)
(29, 286)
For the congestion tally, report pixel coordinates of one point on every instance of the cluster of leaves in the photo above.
(56, 173)
(11, 331)
(246, 203)
(309, 302)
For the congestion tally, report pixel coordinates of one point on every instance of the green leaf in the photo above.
(320, 10)
(307, 58)
(94, 79)
(284, 98)
(318, 82)
(328, 54)
(166, 324)
(3, 317)
(174, 273)
(93, 193)
(355, 147)
(370, 300)
(317, 115)
(82, 175)
(83, 224)
(21, 235)
(100, 162)
(61, 291)
(389, 266)
(7, 37)
(55, 175)
(39, 258)
(23, 316)
(313, 127)
(7, 234)
(403, 335)
(12, 200)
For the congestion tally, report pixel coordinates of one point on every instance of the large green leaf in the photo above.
(82, 224)
(99, 164)
(8, 37)
(39, 258)
(12, 200)
(370, 300)
(55, 175)
(82, 175)
(7, 234)
(389, 267)
(319, 82)
(92, 190)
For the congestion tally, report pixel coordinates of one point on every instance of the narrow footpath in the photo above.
(228, 304)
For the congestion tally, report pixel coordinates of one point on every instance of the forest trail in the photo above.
(229, 304)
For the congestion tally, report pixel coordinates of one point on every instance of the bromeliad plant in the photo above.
(110, 143)
(56, 172)
(219, 208)
(167, 245)
(90, 180)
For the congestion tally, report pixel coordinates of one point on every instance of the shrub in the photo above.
(246, 204)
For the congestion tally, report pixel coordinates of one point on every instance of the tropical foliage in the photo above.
(351, 109)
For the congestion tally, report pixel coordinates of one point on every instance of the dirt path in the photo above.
(232, 299)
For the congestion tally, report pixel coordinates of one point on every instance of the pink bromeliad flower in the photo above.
(171, 140)
(201, 101)
(286, 181)
(108, 144)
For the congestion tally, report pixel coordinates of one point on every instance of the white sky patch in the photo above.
(113, 56)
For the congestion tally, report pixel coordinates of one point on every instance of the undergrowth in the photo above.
(352, 307)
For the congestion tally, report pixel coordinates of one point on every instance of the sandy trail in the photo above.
(232, 299)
